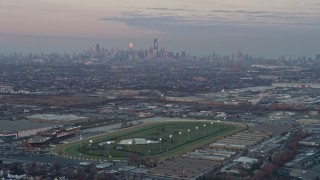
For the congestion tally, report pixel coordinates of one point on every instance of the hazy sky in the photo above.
(269, 28)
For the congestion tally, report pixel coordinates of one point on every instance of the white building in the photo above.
(246, 160)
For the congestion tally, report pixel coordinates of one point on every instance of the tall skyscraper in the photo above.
(183, 54)
(97, 50)
(214, 56)
(163, 52)
(177, 55)
(131, 51)
(130, 47)
(155, 45)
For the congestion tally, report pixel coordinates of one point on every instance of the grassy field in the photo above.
(160, 140)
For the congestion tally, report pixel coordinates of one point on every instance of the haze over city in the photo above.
(261, 28)
(161, 90)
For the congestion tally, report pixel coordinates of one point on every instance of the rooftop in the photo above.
(7, 126)
(54, 117)
(244, 159)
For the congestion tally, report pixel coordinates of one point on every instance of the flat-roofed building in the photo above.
(6, 89)
(57, 119)
(10, 130)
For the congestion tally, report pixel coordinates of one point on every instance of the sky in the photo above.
(271, 28)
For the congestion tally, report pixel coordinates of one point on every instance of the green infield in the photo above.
(151, 140)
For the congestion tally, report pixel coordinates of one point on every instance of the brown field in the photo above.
(64, 101)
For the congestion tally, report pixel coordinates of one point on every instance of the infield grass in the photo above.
(176, 137)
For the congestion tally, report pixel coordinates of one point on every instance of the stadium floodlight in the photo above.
(80, 137)
(148, 147)
(130, 142)
(90, 145)
(197, 132)
(108, 147)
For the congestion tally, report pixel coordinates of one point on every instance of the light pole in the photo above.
(179, 136)
(90, 145)
(160, 143)
(170, 140)
(204, 130)
(211, 127)
(129, 151)
(197, 132)
(108, 148)
(148, 147)
(188, 134)
(80, 144)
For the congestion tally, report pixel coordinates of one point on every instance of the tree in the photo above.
(124, 125)
(17, 168)
(103, 176)
(60, 152)
(57, 169)
(81, 174)
(151, 161)
(134, 159)
(93, 170)
(280, 158)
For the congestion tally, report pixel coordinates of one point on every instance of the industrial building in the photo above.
(10, 130)
(296, 85)
(5, 89)
(51, 136)
(240, 140)
(57, 119)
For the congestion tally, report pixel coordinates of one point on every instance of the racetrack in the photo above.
(160, 139)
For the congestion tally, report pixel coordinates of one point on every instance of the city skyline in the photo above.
(272, 29)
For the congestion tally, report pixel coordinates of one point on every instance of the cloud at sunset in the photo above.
(221, 21)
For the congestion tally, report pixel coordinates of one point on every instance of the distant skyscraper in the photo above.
(177, 55)
(163, 52)
(131, 47)
(183, 54)
(213, 56)
(146, 53)
(318, 57)
(97, 48)
(155, 45)
(240, 55)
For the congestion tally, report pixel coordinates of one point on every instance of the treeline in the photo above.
(281, 158)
